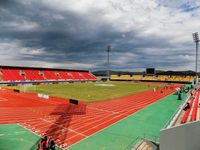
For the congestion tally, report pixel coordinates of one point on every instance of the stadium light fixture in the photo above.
(196, 40)
(108, 60)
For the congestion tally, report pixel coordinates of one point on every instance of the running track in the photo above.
(68, 124)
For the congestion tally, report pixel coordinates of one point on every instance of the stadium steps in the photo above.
(187, 112)
(146, 145)
(195, 108)
(178, 121)
(191, 114)
(191, 109)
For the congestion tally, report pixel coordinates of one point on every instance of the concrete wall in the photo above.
(183, 137)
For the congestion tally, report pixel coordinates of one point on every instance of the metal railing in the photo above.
(174, 117)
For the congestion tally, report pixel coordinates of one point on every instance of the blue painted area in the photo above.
(187, 7)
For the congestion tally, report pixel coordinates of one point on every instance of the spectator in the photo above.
(52, 145)
(46, 143)
(186, 106)
(41, 144)
(191, 94)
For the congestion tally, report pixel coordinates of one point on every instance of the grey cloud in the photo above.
(67, 36)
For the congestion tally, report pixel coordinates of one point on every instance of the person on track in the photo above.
(41, 144)
(52, 145)
(46, 142)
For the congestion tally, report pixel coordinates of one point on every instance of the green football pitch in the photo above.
(90, 92)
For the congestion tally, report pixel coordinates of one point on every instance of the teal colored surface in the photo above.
(124, 134)
(15, 137)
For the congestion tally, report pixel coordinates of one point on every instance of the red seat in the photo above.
(186, 114)
(195, 109)
(51, 75)
(12, 75)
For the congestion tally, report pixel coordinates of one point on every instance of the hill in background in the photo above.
(158, 72)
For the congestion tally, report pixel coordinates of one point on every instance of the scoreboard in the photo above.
(150, 71)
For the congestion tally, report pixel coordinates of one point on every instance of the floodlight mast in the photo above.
(196, 40)
(108, 60)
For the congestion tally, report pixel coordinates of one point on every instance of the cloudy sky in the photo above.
(74, 33)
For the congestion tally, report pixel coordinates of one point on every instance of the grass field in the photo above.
(91, 92)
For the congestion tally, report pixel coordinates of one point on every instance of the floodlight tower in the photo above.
(108, 60)
(196, 40)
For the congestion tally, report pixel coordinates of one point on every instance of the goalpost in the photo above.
(27, 87)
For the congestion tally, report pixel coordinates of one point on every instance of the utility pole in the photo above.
(196, 40)
(108, 61)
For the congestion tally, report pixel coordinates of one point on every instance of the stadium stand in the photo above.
(115, 77)
(12, 74)
(186, 114)
(65, 75)
(50, 75)
(33, 75)
(172, 78)
(88, 76)
(195, 108)
(149, 78)
(77, 76)
(126, 77)
(163, 78)
(137, 77)
(188, 110)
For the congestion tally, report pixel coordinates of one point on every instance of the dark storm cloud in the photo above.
(5, 2)
(68, 36)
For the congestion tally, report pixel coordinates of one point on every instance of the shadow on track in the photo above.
(59, 127)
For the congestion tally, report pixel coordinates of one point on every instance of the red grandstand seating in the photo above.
(65, 75)
(88, 76)
(187, 112)
(51, 75)
(195, 109)
(33, 75)
(38, 76)
(12, 75)
(77, 75)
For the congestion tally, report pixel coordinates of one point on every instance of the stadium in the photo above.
(79, 111)
(112, 75)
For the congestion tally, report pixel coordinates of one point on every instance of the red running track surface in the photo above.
(67, 123)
